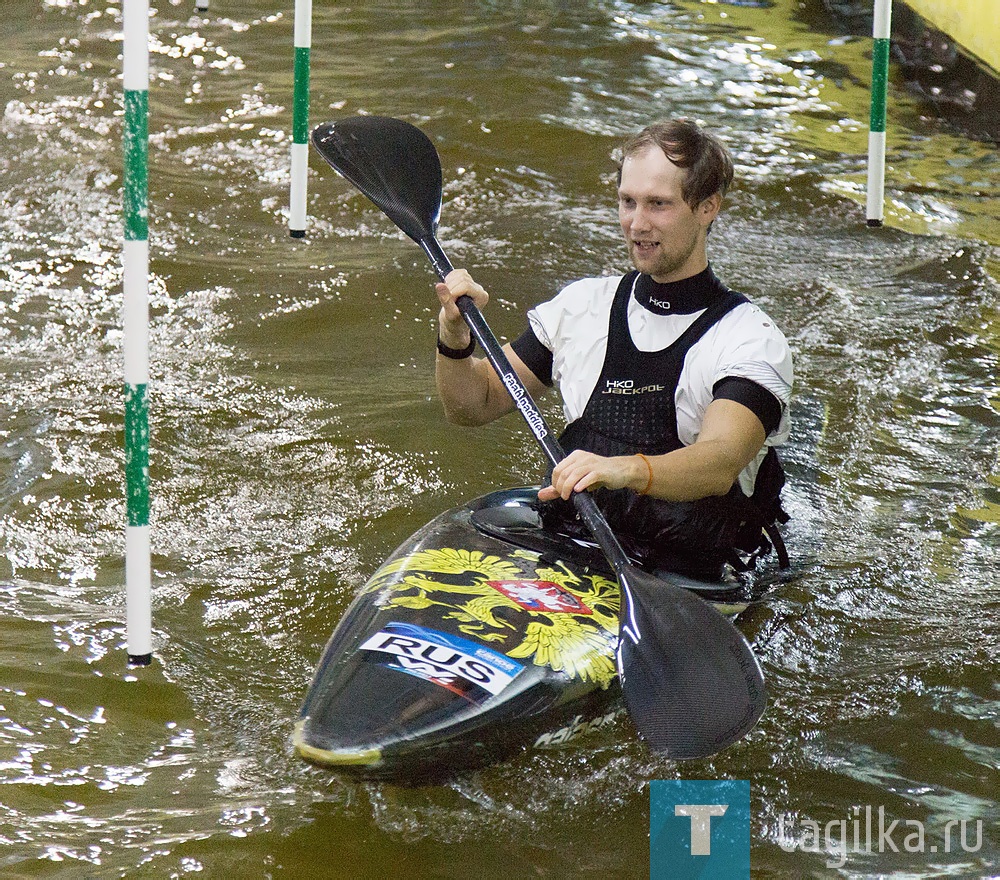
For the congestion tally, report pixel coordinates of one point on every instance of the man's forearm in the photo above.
(464, 389)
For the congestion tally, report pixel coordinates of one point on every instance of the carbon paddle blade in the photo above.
(692, 684)
(390, 161)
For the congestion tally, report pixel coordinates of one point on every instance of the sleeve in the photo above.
(756, 398)
(756, 350)
(536, 356)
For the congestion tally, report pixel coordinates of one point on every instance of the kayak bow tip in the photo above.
(332, 757)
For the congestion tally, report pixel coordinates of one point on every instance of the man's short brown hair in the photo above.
(685, 143)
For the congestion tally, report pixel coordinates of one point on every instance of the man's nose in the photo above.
(639, 219)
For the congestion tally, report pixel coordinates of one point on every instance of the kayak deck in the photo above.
(480, 637)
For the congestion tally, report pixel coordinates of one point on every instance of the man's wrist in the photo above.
(645, 475)
(456, 354)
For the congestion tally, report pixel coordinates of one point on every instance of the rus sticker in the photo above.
(446, 654)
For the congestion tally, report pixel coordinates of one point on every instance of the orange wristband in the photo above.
(649, 467)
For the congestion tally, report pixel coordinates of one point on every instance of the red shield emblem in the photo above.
(541, 596)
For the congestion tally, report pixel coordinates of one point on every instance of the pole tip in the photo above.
(297, 233)
(140, 659)
(874, 222)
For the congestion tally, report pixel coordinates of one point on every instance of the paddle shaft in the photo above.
(584, 502)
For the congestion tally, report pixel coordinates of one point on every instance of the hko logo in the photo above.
(699, 829)
(628, 387)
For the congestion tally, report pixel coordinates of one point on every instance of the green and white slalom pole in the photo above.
(876, 127)
(135, 17)
(300, 119)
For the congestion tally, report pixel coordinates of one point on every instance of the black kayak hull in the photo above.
(479, 638)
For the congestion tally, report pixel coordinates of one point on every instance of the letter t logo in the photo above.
(699, 829)
(701, 824)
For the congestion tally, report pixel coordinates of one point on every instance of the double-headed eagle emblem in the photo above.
(550, 614)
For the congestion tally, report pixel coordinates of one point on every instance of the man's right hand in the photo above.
(452, 329)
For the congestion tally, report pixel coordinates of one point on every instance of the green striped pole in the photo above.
(300, 119)
(135, 17)
(876, 127)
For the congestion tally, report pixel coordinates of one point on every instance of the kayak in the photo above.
(483, 636)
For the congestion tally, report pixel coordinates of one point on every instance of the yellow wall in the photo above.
(973, 24)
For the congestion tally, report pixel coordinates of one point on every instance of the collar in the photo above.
(682, 297)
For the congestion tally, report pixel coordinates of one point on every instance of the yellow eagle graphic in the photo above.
(577, 639)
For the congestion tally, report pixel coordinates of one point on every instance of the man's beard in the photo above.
(666, 262)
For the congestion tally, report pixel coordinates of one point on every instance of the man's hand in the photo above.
(582, 471)
(452, 328)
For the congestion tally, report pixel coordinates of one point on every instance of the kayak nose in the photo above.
(400, 698)
(308, 746)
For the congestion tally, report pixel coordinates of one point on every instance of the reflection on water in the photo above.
(296, 441)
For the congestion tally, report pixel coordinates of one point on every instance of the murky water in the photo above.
(296, 441)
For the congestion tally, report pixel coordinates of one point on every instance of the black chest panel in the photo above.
(631, 408)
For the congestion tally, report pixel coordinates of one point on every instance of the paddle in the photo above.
(691, 683)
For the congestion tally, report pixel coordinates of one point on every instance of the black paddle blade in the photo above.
(692, 684)
(390, 161)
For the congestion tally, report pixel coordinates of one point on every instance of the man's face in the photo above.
(665, 236)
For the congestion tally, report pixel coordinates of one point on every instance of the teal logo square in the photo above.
(699, 829)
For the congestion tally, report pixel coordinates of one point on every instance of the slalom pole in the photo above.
(300, 119)
(135, 19)
(876, 128)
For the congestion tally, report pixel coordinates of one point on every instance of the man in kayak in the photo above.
(675, 389)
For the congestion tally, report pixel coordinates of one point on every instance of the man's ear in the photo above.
(709, 209)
